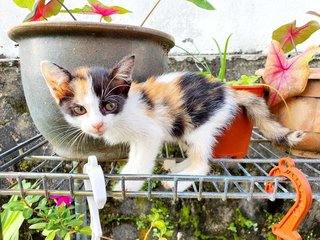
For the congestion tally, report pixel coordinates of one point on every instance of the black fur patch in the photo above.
(99, 77)
(65, 72)
(108, 89)
(283, 141)
(178, 127)
(202, 98)
(145, 98)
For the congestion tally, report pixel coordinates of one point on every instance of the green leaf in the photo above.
(62, 233)
(51, 235)
(202, 4)
(121, 10)
(33, 198)
(38, 225)
(84, 9)
(24, 3)
(289, 35)
(244, 80)
(10, 223)
(169, 233)
(107, 19)
(75, 223)
(86, 230)
(27, 213)
(223, 58)
(43, 202)
(67, 236)
(46, 232)
(34, 220)
(14, 206)
(232, 228)
(160, 224)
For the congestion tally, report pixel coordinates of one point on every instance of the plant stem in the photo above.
(147, 234)
(33, 210)
(203, 63)
(64, 6)
(146, 18)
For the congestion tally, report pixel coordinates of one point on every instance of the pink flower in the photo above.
(62, 199)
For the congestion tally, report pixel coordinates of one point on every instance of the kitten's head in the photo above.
(89, 98)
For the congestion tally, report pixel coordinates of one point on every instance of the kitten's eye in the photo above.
(110, 106)
(79, 110)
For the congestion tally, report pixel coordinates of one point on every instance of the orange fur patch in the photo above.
(80, 84)
(164, 94)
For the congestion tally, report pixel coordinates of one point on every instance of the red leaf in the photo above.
(103, 11)
(289, 35)
(43, 11)
(288, 76)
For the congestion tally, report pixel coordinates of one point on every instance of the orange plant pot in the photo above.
(235, 140)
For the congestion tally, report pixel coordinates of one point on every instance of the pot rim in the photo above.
(28, 29)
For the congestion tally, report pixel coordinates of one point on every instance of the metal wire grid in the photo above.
(229, 178)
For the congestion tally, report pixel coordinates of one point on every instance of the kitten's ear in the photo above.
(57, 79)
(124, 69)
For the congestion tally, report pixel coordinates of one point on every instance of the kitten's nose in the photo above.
(97, 126)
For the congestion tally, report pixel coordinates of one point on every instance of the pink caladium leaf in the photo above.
(288, 76)
(42, 11)
(289, 35)
(96, 7)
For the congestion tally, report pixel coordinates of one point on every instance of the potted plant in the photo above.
(298, 84)
(72, 44)
(240, 131)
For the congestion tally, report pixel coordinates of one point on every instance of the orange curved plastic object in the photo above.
(287, 228)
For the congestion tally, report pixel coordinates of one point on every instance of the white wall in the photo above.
(250, 21)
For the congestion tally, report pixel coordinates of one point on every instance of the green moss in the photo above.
(240, 222)
(20, 107)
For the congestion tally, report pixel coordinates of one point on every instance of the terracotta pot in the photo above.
(305, 115)
(74, 44)
(235, 140)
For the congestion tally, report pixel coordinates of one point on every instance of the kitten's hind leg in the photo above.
(199, 151)
(173, 167)
(141, 161)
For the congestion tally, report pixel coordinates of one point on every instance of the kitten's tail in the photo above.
(258, 112)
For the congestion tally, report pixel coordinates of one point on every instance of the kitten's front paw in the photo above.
(167, 184)
(169, 165)
(181, 186)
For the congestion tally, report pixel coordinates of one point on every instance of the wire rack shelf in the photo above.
(228, 179)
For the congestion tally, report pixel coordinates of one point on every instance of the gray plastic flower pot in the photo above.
(74, 44)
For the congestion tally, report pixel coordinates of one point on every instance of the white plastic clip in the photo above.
(96, 184)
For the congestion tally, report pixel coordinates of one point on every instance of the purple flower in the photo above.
(62, 199)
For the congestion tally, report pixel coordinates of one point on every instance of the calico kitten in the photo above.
(179, 107)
